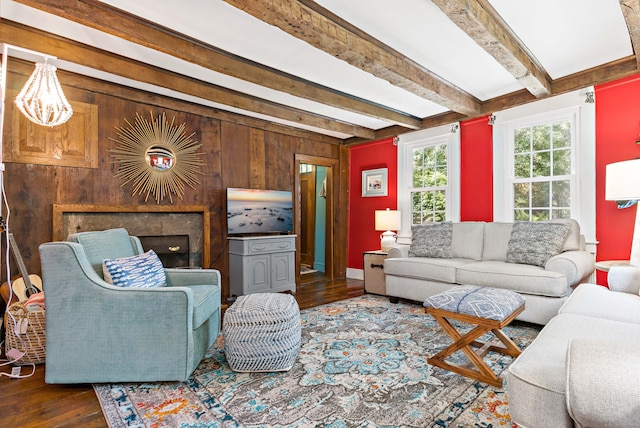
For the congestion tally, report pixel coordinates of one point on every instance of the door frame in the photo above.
(331, 204)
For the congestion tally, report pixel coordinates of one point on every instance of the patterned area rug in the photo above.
(363, 363)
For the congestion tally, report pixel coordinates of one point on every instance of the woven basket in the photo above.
(32, 342)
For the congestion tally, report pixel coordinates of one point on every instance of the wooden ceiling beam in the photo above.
(78, 53)
(111, 20)
(631, 13)
(21, 69)
(479, 20)
(320, 31)
(609, 72)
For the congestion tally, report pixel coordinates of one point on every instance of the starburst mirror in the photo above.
(157, 157)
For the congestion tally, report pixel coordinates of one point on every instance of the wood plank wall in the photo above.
(238, 152)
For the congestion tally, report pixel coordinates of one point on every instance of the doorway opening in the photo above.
(314, 225)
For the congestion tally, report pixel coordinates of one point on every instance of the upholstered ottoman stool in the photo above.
(262, 332)
(488, 309)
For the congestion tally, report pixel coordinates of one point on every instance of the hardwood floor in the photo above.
(31, 402)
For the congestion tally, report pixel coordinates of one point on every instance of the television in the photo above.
(252, 211)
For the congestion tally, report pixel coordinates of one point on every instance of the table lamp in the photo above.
(623, 184)
(387, 220)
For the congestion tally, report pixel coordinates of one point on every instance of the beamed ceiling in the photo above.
(353, 70)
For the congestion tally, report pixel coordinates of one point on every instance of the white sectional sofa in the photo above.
(477, 254)
(583, 369)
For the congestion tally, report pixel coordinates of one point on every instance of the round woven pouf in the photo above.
(262, 332)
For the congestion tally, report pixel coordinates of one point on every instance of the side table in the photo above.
(374, 277)
(605, 265)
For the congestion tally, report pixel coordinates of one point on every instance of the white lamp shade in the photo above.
(387, 220)
(623, 180)
(623, 184)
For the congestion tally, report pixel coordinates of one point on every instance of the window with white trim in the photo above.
(544, 161)
(541, 161)
(428, 178)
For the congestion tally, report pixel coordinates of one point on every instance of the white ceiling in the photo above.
(565, 37)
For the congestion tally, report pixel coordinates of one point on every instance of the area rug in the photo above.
(362, 363)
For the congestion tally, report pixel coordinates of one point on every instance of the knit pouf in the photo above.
(262, 332)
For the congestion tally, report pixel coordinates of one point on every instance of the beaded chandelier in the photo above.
(41, 99)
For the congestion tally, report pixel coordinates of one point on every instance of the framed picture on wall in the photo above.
(375, 182)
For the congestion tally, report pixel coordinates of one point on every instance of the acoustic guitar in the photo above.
(24, 286)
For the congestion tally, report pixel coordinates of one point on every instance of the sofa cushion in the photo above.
(496, 240)
(522, 278)
(534, 243)
(538, 375)
(467, 240)
(104, 244)
(143, 271)
(434, 269)
(597, 301)
(431, 240)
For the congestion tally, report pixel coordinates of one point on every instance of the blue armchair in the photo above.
(99, 333)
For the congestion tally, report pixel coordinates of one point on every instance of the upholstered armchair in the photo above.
(98, 332)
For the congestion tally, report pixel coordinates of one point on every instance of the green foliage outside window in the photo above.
(542, 170)
(429, 181)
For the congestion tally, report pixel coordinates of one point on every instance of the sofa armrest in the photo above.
(186, 277)
(576, 265)
(399, 251)
(602, 383)
(624, 279)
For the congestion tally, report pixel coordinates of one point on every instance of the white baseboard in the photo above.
(355, 273)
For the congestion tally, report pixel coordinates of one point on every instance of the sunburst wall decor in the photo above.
(157, 157)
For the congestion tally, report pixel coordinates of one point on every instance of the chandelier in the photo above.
(41, 99)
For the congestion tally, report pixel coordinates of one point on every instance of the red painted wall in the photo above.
(617, 129)
(476, 170)
(362, 233)
(476, 184)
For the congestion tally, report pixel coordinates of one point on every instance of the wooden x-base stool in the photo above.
(482, 372)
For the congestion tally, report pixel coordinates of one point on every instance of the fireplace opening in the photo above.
(173, 250)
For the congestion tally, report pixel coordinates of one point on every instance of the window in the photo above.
(429, 185)
(428, 179)
(542, 165)
(544, 161)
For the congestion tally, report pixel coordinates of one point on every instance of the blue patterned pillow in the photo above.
(144, 270)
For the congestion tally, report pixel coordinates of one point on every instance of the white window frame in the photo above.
(445, 134)
(572, 106)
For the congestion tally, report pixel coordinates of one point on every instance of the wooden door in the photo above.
(307, 216)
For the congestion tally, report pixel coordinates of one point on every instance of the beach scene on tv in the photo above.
(259, 211)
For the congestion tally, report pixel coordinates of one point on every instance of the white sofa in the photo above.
(478, 257)
(583, 369)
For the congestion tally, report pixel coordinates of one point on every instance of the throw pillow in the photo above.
(143, 270)
(431, 240)
(534, 243)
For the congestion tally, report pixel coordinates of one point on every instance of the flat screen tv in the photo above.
(251, 211)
